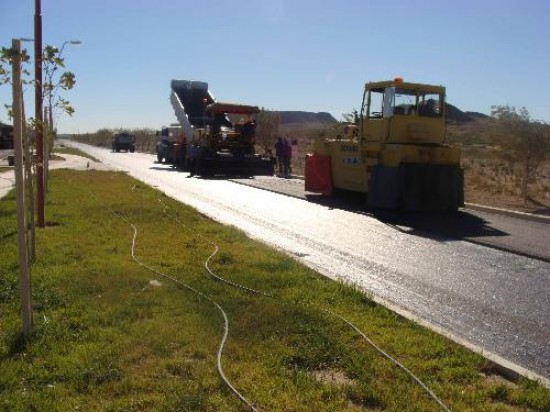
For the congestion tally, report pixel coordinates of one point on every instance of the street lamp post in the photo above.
(68, 42)
(50, 92)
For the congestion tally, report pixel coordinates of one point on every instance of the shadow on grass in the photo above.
(8, 234)
(53, 224)
(17, 344)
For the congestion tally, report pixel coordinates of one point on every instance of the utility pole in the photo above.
(38, 114)
(24, 278)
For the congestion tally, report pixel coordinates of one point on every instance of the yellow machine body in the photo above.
(396, 151)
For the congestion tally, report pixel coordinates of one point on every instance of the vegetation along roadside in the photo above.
(111, 335)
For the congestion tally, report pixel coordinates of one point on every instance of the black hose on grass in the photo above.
(354, 327)
(199, 293)
(207, 262)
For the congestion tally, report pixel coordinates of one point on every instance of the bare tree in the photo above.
(267, 128)
(527, 140)
(352, 117)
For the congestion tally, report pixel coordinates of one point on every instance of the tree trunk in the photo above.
(525, 183)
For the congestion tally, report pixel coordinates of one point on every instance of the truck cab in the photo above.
(6, 136)
(168, 137)
(124, 141)
(399, 112)
(228, 142)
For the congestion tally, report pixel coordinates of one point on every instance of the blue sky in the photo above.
(312, 55)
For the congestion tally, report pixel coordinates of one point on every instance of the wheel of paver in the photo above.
(180, 163)
(159, 157)
(205, 169)
(132, 150)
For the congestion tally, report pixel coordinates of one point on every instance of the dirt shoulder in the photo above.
(503, 201)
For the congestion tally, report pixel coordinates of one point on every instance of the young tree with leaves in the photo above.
(6, 57)
(53, 82)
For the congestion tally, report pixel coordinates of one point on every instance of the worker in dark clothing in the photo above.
(279, 154)
(287, 157)
(428, 109)
(248, 133)
(194, 152)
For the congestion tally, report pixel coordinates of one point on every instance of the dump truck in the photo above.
(6, 136)
(394, 152)
(168, 136)
(123, 141)
(222, 133)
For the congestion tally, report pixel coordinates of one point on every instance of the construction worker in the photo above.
(287, 157)
(279, 154)
(194, 151)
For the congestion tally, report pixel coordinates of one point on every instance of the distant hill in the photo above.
(303, 118)
(477, 115)
(299, 117)
(455, 115)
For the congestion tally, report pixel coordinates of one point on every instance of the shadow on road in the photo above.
(165, 169)
(458, 225)
(542, 209)
(434, 225)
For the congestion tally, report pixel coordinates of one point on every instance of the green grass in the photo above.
(106, 339)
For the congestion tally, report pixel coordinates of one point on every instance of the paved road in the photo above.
(520, 235)
(491, 299)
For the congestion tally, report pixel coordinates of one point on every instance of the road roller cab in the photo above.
(398, 156)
